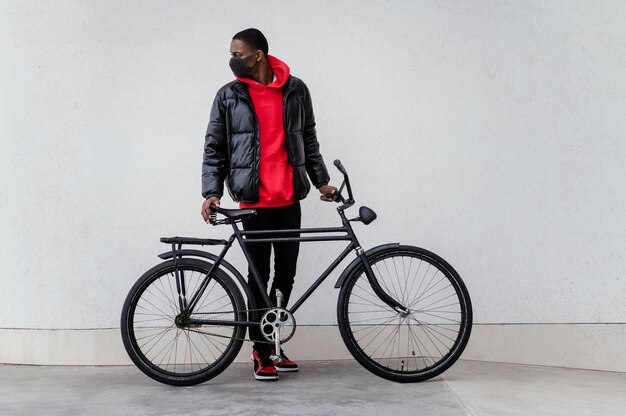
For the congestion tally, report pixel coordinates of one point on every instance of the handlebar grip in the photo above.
(340, 166)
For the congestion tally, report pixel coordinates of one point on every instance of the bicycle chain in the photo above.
(226, 336)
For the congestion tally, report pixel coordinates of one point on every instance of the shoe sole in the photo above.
(265, 378)
(286, 370)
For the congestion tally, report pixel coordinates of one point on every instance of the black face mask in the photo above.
(240, 67)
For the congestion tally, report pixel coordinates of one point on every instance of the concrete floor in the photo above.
(320, 388)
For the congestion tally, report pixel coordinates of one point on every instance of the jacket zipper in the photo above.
(257, 155)
(290, 87)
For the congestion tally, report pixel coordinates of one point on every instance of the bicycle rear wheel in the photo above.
(423, 343)
(176, 354)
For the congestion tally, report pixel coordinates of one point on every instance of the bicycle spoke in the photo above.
(213, 340)
(432, 326)
(195, 287)
(372, 303)
(381, 326)
(197, 349)
(160, 336)
(370, 320)
(439, 300)
(156, 307)
(391, 282)
(151, 313)
(389, 346)
(415, 279)
(421, 299)
(162, 291)
(375, 337)
(206, 295)
(151, 328)
(379, 277)
(148, 320)
(397, 274)
(369, 312)
(422, 354)
(374, 298)
(213, 301)
(173, 342)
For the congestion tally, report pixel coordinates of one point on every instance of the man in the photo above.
(261, 139)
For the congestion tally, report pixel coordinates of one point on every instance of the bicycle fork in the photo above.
(380, 292)
(371, 277)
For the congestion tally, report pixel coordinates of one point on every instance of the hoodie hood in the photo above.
(280, 70)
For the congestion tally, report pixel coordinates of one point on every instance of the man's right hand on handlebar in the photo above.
(206, 210)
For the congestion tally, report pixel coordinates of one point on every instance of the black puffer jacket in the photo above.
(232, 146)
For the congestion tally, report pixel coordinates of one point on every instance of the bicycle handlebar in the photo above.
(346, 181)
(337, 197)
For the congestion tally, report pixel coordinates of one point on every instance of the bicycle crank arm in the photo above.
(279, 303)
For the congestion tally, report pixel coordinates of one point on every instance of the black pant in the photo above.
(285, 257)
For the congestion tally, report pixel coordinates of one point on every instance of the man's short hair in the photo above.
(254, 38)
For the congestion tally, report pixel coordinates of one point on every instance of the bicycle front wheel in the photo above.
(161, 346)
(406, 347)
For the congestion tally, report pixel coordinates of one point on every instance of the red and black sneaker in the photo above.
(263, 367)
(286, 365)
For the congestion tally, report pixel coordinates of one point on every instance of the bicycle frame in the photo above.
(343, 233)
(167, 327)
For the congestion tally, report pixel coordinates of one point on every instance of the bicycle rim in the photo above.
(415, 346)
(182, 355)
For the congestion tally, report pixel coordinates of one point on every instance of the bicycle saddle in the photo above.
(234, 214)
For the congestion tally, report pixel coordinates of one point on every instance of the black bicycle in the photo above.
(403, 312)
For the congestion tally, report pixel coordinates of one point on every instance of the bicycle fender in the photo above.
(227, 265)
(355, 263)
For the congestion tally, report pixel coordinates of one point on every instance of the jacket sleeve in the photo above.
(314, 163)
(215, 161)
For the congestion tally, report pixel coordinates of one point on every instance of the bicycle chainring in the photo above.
(278, 321)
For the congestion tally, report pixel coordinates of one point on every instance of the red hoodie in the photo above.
(275, 172)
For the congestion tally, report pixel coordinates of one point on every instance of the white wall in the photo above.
(489, 132)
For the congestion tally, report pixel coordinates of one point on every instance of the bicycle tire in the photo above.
(436, 330)
(151, 307)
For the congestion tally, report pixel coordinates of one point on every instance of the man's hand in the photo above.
(206, 211)
(327, 190)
